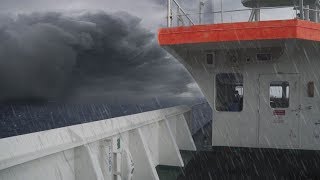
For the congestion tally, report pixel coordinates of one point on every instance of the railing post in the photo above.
(169, 20)
(201, 4)
(178, 16)
(317, 14)
(314, 13)
(317, 7)
(257, 11)
(301, 9)
(212, 11)
(307, 13)
(221, 7)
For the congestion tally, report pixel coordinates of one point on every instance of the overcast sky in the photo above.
(152, 12)
(87, 50)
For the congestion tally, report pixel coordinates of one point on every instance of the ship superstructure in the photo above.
(260, 77)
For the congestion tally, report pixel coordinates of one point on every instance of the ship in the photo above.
(261, 80)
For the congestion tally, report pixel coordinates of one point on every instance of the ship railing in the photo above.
(304, 12)
(175, 11)
(118, 148)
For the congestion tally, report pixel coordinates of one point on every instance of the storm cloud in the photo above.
(86, 57)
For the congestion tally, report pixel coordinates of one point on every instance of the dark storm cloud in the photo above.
(92, 56)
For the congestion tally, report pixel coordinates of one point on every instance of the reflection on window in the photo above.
(229, 96)
(279, 94)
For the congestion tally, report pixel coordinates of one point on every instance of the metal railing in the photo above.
(301, 11)
(180, 14)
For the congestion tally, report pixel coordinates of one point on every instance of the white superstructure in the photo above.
(261, 78)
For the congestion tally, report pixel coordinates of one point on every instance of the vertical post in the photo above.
(317, 5)
(221, 3)
(212, 11)
(314, 13)
(257, 11)
(178, 16)
(317, 14)
(200, 11)
(169, 23)
(301, 9)
(307, 13)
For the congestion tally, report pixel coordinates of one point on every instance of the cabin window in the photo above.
(279, 94)
(210, 59)
(229, 92)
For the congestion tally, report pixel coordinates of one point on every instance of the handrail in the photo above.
(239, 10)
(179, 16)
(183, 12)
(303, 12)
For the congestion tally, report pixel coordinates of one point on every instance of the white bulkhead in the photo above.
(264, 94)
(126, 148)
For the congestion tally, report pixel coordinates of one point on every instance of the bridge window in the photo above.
(229, 92)
(279, 94)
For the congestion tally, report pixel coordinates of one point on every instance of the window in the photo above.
(264, 57)
(210, 59)
(229, 88)
(279, 94)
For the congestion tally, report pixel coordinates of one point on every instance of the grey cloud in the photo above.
(35, 60)
(89, 57)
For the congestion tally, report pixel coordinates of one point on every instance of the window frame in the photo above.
(205, 56)
(240, 74)
(282, 90)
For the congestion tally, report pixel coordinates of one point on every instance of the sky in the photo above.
(89, 51)
(152, 12)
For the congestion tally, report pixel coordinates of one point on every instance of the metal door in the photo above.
(279, 110)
